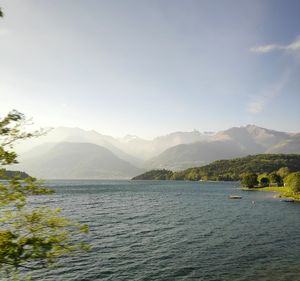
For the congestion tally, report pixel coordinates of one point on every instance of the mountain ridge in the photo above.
(227, 144)
(67, 160)
(176, 151)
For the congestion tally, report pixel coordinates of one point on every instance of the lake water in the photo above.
(166, 230)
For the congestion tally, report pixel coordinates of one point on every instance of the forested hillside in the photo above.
(230, 169)
(5, 174)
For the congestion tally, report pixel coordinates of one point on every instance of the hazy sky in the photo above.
(152, 67)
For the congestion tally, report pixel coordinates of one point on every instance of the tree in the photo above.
(1, 13)
(264, 181)
(193, 175)
(249, 180)
(283, 172)
(275, 178)
(30, 238)
(293, 182)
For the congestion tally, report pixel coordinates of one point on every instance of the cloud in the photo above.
(292, 47)
(256, 106)
(265, 48)
(258, 102)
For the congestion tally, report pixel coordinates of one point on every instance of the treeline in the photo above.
(283, 177)
(266, 180)
(229, 170)
(5, 174)
(155, 175)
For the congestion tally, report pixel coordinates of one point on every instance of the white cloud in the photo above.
(265, 48)
(258, 102)
(256, 106)
(292, 47)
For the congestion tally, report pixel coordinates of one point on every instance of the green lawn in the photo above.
(275, 189)
(283, 191)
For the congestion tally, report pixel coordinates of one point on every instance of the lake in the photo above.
(167, 230)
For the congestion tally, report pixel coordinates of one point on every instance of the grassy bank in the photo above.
(284, 192)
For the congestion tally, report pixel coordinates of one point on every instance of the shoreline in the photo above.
(283, 192)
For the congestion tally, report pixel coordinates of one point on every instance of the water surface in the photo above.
(166, 230)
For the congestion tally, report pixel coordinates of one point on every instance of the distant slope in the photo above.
(175, 151)
(68, 160)
(196, 154)
(130, 148)
(147, 149)
(73, 135)
(232, 143)
(232, 169)
(7, 174)
(253, 139)
(155, 175)
(291, 145)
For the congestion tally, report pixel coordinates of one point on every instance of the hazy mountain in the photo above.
(196, 154)
(290, 145)
(178, 150)
(234, 142)
(68, 160)
(130, 148)
(145, 149)
(75, 135)
(253, 139)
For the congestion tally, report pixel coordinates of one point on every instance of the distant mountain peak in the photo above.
(180, 149)
(77, 160)
(253, 126)
(129, 138)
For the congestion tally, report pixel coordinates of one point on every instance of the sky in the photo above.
(149, 68)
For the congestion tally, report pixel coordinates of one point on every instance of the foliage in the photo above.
(293, 182)
(261, 176)
(178, 176)
(275, 189)
(234, 169)
(192, 175)
(275, 178)
(283, 172)
(1, 13)
(11, 131)
(155, 175)
(5, 174)
(249, 180)
(264, 181)
(30, 238)
(284, 192)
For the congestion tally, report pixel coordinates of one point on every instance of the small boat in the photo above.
(288, 200)
(235, 197)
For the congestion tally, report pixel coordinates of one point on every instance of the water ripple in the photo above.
(176, 231)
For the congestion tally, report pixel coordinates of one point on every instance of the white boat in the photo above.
(235, 197)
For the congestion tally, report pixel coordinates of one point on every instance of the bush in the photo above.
(283, 172)
(264, 181)
(293, 182)
(249, 180)
(275, 178)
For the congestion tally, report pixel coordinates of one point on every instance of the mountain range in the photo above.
(76, 153)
